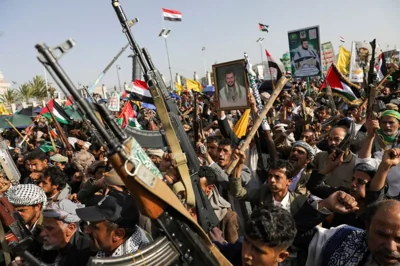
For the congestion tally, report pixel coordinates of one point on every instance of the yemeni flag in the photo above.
(172, 15)
(58, 112)
(272, 64)
(340, 86)
(342, 39)
(140, 92)
(382, 67)
(263, 27)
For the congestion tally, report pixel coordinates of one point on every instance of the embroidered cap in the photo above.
(26, 195)
(120, 210)
(310, 151)
(59, 158)
(65, 210)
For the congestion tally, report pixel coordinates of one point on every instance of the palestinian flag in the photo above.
(172, 15)
(340, 86)
(140, 92)
(263, 27)
(382, 67)
(57, 111)
(127, 116)
(68, 102)
(125, 95)
(274, 65)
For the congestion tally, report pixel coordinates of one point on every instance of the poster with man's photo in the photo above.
(305, 51)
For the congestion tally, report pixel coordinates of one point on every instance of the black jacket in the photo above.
(76, 252)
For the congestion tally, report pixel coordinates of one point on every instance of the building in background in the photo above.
(3, 85)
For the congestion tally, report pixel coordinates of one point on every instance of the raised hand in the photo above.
(339, 202)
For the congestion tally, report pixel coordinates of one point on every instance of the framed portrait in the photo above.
(231, 85)
(305, 52)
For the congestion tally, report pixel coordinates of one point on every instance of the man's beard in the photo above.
(49, 247)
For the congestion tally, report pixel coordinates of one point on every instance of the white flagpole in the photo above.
(45, 79)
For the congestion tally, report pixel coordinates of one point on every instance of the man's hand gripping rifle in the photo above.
(184, 243)
(19, 238)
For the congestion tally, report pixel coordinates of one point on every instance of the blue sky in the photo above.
(226, 28)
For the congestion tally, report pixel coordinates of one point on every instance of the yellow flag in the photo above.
(343, 61)
(3, 110)
(179, 88)
(240, 127)
(193, 85)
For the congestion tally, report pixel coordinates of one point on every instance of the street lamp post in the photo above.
(119, 82)
(204, 61)
(260, 41)
(165, 33)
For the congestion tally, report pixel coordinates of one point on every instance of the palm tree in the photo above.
(9, 97)
(38, 86)
(25, 91)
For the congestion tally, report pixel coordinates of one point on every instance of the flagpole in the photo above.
(45, 79)
(119, 81)
(204, 62)
(169, 62)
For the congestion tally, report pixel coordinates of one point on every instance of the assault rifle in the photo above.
(174, 133)
(8, 165)
(187, 243)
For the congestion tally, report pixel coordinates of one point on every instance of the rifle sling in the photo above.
(7, 257)
(179, 156)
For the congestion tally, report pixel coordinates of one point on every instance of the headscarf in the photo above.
(391, 113)
(307, 147)
(26, 195)
(64, 210)
(218, 203)
(389, 140)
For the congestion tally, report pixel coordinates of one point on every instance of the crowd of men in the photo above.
(316, 187)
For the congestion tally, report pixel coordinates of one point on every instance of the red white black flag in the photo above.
(172, 15)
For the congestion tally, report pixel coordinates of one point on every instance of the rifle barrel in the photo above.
(50, 59)
(124, 23)
(91, 88)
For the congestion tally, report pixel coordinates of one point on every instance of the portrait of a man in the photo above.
(305, 51)
(306, 60)
(231, 85)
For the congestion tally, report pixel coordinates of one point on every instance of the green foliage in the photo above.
(25, 92)
(9, 97)
(38, 86)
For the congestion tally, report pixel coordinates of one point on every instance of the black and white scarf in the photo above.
(131, 245)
